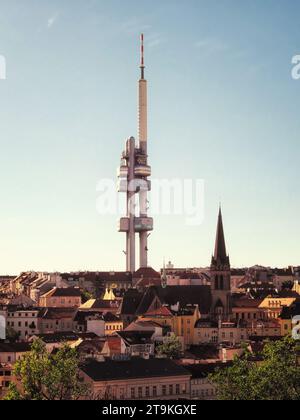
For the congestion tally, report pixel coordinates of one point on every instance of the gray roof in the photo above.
(132, 369)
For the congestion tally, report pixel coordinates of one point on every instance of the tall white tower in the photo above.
(133, 180)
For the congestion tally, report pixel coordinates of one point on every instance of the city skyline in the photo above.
(64, 112)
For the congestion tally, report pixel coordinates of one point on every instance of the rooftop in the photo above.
(14, 347)
(134, 368)
(63, 292)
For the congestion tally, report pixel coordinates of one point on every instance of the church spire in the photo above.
(220, 255)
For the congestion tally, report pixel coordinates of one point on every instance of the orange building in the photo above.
(61, 298)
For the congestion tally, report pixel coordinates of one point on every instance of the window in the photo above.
(147, 391)
(132, 393)
(154, 391)
(164, 390)
(171, 389)
(140, 392)
(177, 389)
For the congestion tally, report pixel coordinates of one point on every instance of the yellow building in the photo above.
(273, 306)
(113, 324)
(180, 321)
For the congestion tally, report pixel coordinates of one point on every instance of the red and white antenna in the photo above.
(142, 57)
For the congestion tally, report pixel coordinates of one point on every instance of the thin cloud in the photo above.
(154, 40)
(212, 45)
(52, 20)
(134, 26)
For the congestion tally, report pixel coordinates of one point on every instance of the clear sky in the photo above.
(223, 108)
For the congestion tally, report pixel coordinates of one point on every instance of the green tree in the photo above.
(86, 296)
(45, 376)
(275, 377)
(171, 348)
(11, 335)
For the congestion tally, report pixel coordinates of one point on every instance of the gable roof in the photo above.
(245, 302)
(160, 312)
(132, 338)
(63, 292)
(114, 344)
(131, 301)
(171, 295)
(146, 273)
(101, 304)
(57, 313)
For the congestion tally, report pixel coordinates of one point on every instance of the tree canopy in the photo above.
(45, 376)
(170, 348)
(274, 376)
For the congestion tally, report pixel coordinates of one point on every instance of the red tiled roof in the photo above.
(147, 273)
(146, 282)
(114, 344)
(247, 303)
(163, 311)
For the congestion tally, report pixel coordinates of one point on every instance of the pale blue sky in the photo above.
(223, 107)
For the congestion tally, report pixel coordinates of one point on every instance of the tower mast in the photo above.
(143, 139)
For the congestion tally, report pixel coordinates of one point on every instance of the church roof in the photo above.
(171, 295)
(220, 254)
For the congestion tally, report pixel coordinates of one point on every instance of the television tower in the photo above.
(133, 177)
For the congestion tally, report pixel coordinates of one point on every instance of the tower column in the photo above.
(131, 202)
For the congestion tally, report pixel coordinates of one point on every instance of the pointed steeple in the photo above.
(164, 279)
(220, 254)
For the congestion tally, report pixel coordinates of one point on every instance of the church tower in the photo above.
(220, 276)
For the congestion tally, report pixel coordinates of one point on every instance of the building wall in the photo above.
(163, 388)
(60, 302)
(248, 314)
(96, 326)
(56, 325)
(285, 327)
(220, 335)
(11, 357)
(202, 389)
(24, 322)
(112, 327)
(6, 377)
(180, 325)
(273, 306)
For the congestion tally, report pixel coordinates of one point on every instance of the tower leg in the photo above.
(144, 250)
(143, 235)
